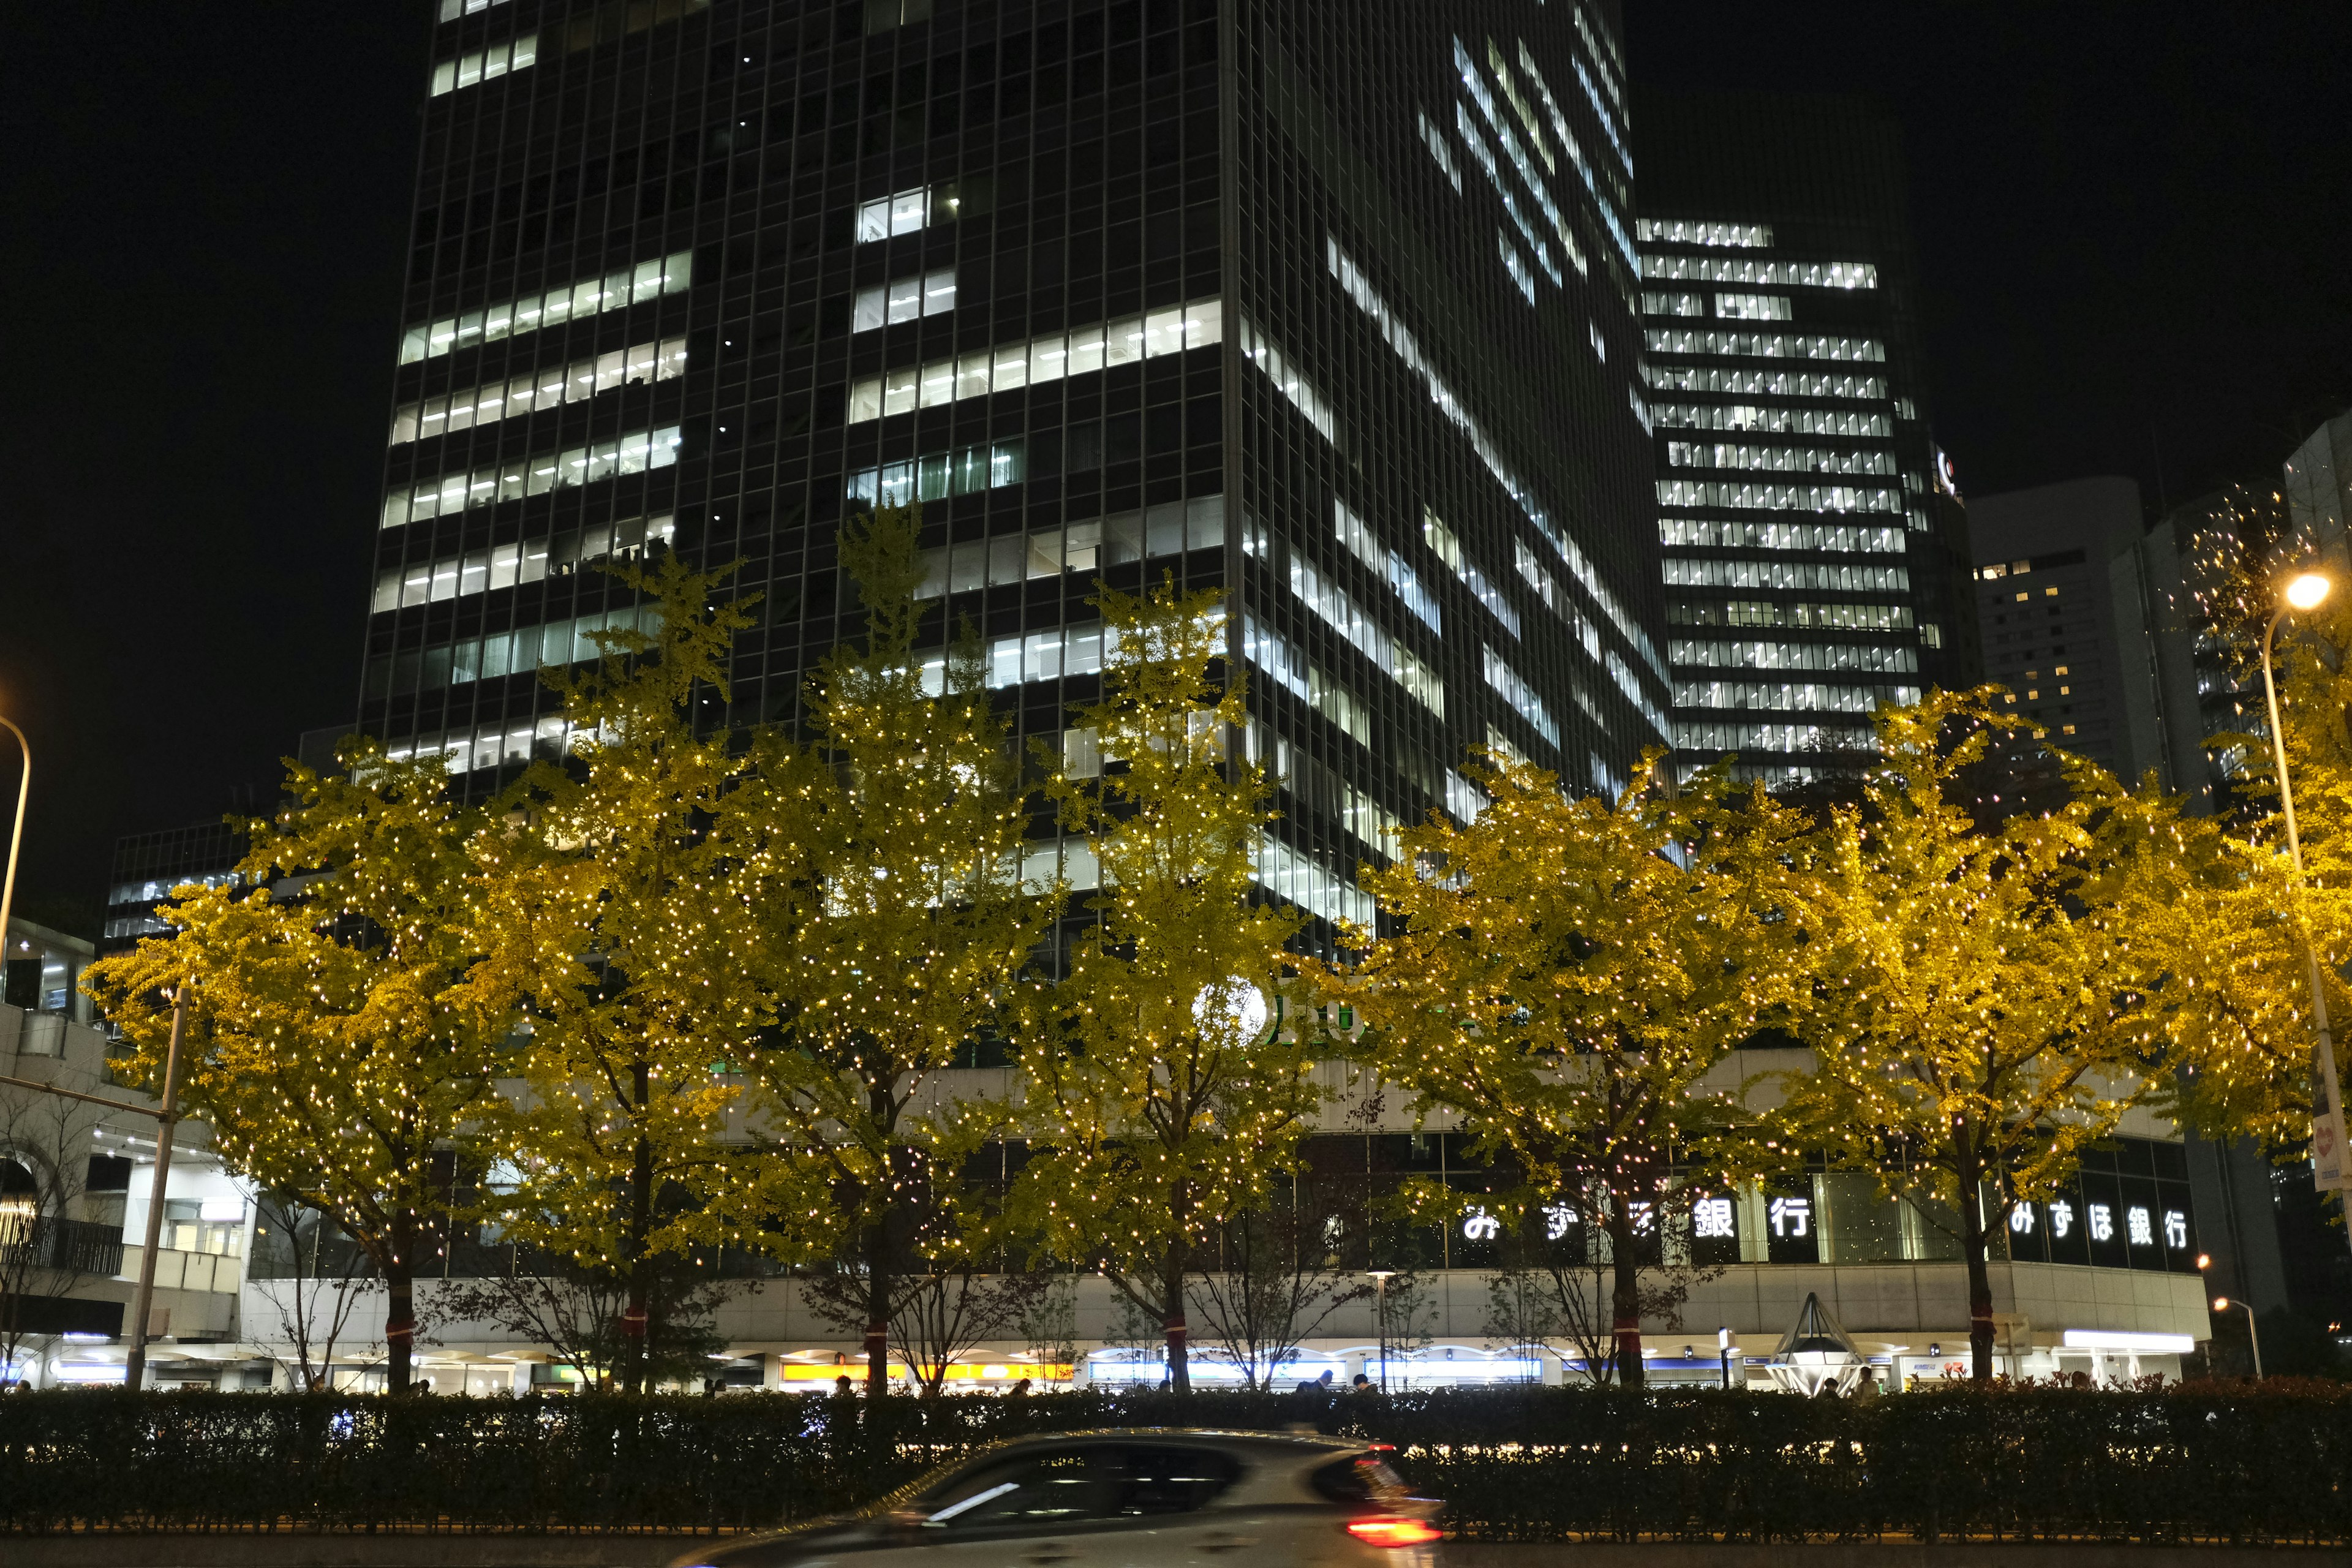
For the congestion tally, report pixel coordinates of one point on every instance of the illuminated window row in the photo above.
(632, 453)
(501, 654)
(1268, 355)
(1764, 345)
(1778, 460)
(1765, 419)
(1640, 409)
(1823, 576)
(1365, 635)
(1657, 304)
(1576, 156)
(1302, 880)
(1314, 787)
(1055, 655)
(1712, 534)
(1440, 148)
(1754, 308)
(1546, 586)
(1517, 152)
(1170, 528)
(1740, 380)
(1679, 231)
(1877, 658)
(1701, 737)
(905, 211)
(590, 297)
(1288, 668)
(1777, 498)
(478, 65)
(1407, 347)
(1449, 550)
(1037, 362)
(964, 471)
(1747, 269)
(1795, 696)
(1522, 697)
(1516, 266)
(903, 300)
(1808, 617)
(1386, 565)
(1484, 156)
(453, 9)
(490, 745)
(575, 383)
(505, 565)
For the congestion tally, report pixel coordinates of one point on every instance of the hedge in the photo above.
(2236, 1464)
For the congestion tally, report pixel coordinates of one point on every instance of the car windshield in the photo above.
(1082, 1481)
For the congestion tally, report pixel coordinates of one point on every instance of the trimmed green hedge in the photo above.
(1514, 1464)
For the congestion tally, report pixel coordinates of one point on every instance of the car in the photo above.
(1153, 1497)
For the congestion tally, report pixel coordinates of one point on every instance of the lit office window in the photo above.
(1827, 577)
(1778, 460)
(1766, 419)
(1676, 231)
(575, 383)
(485, 64)
(1869, 657)
(1435, 139)
(520, 652)
(631, 453)
(453, 9)
(1753, 306)
(1448, 549)
(1704, 737)
(1747, 382)
(884, 16)
(964, 471)
(525, 561)
(589, 297)
(1172, 528)
(1747, 534)
(1766, 613)
(1036, 361)
(1764, 345)
(1522, 698)
(905, 211)
(1654, 304)
(1777, 498)
(1745, 270)
(1339, 610)
(903, 300)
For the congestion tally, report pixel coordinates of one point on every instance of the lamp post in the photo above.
(15, 834)
(1380, 1278)
(2304, 592)
(2223, 1304)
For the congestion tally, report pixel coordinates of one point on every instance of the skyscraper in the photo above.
(1816, 559)
(1329, 306)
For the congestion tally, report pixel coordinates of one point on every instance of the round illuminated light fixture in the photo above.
(1234, 1002)
(2306, 591)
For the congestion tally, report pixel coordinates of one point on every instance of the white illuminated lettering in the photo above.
(2176, 1229)
(2061, 1218)
(1711, 1219)
(1791, 1216)
(2102, 1223)
(2141, 1225)
(1481, 1226)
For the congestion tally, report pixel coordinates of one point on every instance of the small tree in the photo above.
(579, 1314)
(1566, 973)
(1274, 1287)
(916, 931)
(304, 1266)
(616, 924)
(1976, 1024)
(331, 1046)
(1160, 1104)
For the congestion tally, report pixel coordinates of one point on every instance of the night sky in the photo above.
(2134, 221)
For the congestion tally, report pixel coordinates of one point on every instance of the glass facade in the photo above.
(1857, 574)
(1335, 308)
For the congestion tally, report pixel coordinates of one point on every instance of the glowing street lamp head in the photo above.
(2220, 1303)
(2307, 590)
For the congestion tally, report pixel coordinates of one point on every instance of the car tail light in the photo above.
(1394, 1531)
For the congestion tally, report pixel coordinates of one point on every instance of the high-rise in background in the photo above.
(1339, 319)
(1816, 554)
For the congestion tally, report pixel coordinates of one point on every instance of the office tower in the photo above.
(1332, 306)
(2318, 486)
(2066, 613)
(1815, 549)
(148, 866)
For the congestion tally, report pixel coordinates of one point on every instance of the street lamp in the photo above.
(1380, 1278)
(2223, 1304)
(2305, 592)
(17, 834)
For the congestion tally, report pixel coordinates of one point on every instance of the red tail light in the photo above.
(1394, 1531)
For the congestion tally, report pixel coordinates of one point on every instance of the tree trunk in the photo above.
(1975, 1245)
(635, 1318)
(400, 1305)
(1624, 1293)
(881, 1235)
(1171, 1320)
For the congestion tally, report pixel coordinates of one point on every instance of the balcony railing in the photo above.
(67, 1245)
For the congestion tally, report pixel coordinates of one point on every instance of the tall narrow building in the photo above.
(1330, 306)
(1815, 553)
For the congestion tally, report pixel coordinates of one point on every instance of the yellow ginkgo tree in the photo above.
(1160, 1102)
(332, 1047)
(915, 938)
(1987, 1001)
(1564, 972)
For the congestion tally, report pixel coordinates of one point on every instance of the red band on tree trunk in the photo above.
(632, 1323)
